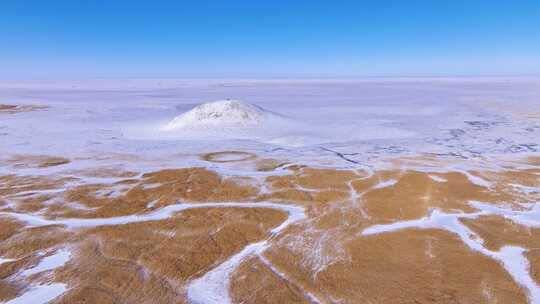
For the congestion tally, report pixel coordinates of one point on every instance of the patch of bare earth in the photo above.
(36, 161)
(12, 109)
(322, 258)
(228, 156)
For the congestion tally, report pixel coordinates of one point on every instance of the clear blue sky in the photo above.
(273, 38)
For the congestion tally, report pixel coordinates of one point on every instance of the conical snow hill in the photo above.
(221, 114)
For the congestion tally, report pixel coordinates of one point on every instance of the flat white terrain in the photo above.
(324, 119)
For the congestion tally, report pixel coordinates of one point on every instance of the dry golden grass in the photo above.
(29, 187)
(147, 262)
(34, 239)
(268, 164)
(422, 266)
(313, 179)
(498, 232)
(104, 172)
(269, 287)
(415, 193)
(151, 262)
(36, 161)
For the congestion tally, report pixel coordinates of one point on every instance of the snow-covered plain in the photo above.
(339, 120)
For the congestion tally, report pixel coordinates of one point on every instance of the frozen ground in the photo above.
(346, 121)
(138, 126)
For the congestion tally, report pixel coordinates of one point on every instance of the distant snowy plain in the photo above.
(349, 120)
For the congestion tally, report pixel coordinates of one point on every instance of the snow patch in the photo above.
(477, 180)
(213, 287)
(529, 218)
(385, 184)
(295, 213)
(56, 260)
(526, 189)
(437, 178)
(4, 260)
(40, 294)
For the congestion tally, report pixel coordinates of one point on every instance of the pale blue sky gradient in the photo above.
(80, 39)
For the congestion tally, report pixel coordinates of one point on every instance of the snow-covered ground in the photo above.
(169, 123)
(343, 120)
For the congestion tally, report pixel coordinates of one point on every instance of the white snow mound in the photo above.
(221, 113)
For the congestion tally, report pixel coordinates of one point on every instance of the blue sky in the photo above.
(79, 39)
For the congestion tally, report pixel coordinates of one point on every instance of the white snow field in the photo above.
(331, 120)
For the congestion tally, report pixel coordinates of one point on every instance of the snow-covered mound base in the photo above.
(242, 121)
(221, 114)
